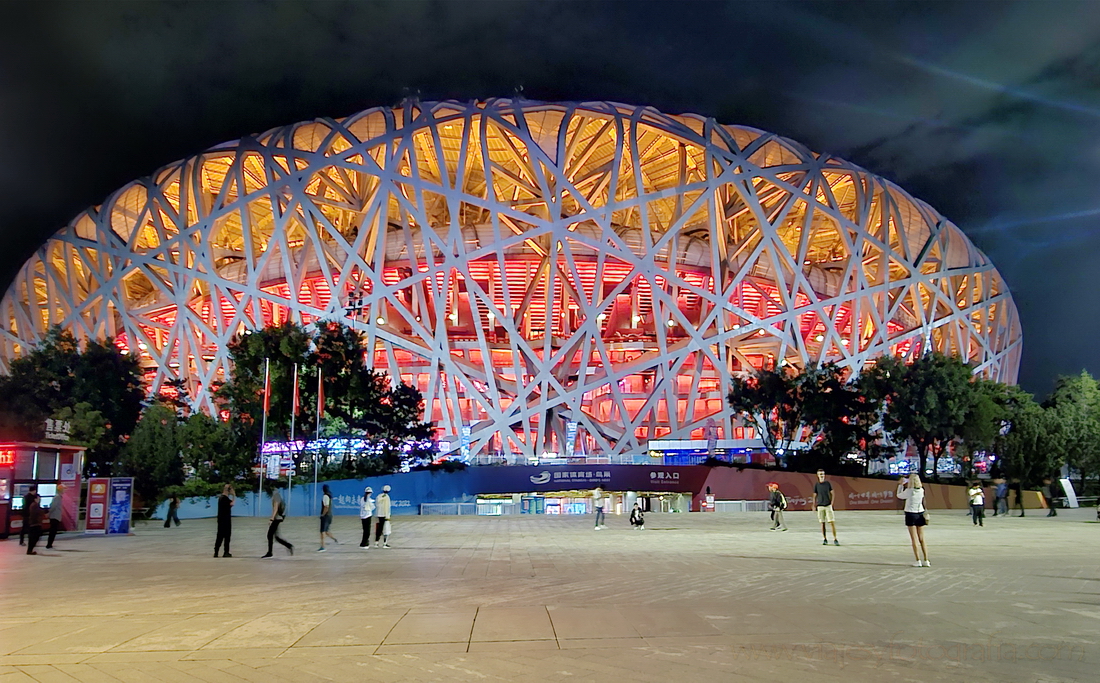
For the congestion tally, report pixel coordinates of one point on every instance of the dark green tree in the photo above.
(152, 454)
(769, 400)
(1073, 421)
(928, 405)
(60, 374)
(981, 423)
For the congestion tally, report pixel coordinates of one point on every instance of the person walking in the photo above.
(823, 505)
(977, 503)
(28, 501)
(777, 503)
(366, 511)
(226, 501)
(55, 516)
(278, 514)
(911, 490)
(598, 502)
(637, 517)
(382, 518)
(1049, 492)
(1000, 501)
(32, 519)
(173, 511)
(326, 517)
(1018, 492)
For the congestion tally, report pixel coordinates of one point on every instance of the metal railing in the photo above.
(740, 506)
(448, 508)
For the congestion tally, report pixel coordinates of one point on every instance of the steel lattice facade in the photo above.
(535, 269)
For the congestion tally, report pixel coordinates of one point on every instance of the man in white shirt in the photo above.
(598, 502)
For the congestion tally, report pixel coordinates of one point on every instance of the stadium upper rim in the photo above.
(719, 245)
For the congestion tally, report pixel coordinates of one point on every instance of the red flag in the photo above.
(320, 396)
(294, 400)
(267, 385)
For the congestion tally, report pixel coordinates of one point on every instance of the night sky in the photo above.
(990, 112)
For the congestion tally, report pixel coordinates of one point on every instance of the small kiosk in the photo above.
(47, 465)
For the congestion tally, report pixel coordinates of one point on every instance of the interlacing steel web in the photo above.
(535, 269)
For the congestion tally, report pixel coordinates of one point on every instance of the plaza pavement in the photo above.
(693, 597)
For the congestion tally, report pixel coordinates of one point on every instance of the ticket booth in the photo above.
(46, 465)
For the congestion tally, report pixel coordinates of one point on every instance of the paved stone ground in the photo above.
(511, 598)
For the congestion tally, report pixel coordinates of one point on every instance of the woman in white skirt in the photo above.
(911, 490)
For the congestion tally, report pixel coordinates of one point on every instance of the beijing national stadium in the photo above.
(566, 277)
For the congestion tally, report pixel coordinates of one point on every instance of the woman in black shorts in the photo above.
(911, 490)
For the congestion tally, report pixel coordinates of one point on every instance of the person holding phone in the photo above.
(911, 490)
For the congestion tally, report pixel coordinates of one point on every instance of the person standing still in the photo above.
(226, 501)
(32, 519)
(28, 501)
(173, 511)
(326, 517)
(911, 490)
(598, 502)
(823, 504)
(366, 511)
(777, 503)
(55, 516)
(1018, 492)
(977, 503)
(1000, 501)
(382, 518)
(278, 514)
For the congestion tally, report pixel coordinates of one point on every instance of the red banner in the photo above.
(850, 493)
(98, 497)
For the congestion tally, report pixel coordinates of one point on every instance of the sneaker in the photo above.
(385, 545)
(33, 552)
(264, 557)
(825, 541)
(836, 542)
(227, 555)
(918, 563)
(597, 528)
(927, 563)
(784, 529)
(322, 549)
(642, 527)
(291, 550)
(215, 554)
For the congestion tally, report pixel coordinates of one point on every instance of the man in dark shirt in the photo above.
(225, 519)
(29, 499)
(823, 504)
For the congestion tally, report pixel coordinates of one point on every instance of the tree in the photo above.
(1022, 444)
(928, 405)
(981, 423)
(210, 450)
(152, 455)
(366, 402)
(1073, 420)
(770, 401)
(60, 374)
(840, 412)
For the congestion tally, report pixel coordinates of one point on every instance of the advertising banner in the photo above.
(121, 505)
(97, 505)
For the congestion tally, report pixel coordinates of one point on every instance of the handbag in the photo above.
(386, 528)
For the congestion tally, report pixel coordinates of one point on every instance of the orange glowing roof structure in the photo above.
(537, 270)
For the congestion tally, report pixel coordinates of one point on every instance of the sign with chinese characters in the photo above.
(7, 457)
(97, 505)
(570, 437)
(273, 463)
(120, 505)
(58, 430)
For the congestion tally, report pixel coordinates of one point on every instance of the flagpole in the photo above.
(263, 435)
(290, 446)
(317, 433)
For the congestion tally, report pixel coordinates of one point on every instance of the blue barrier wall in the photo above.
(411, 489)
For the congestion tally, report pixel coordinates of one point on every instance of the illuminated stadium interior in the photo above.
(537, 270)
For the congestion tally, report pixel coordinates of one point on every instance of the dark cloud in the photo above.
(988, 111)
